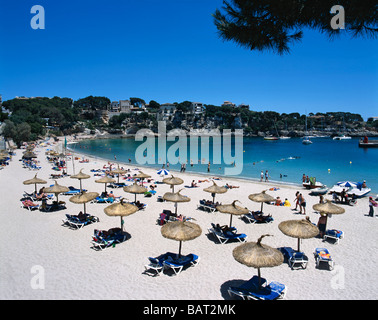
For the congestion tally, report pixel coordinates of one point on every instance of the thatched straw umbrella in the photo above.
(83, 198)
(135, 189)
(328, 208)
(121, 209)
(232, 209)
(261, 197)
(175, 197)
(142, 176)
(35, 181)
(80, 176)
(301, 229)
(56, 189)
(173, 181)
(215, 189)
(29, 155)
(118, 171)
(258, 255)
(105, 180)
(181, 231)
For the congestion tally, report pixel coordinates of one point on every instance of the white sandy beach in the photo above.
(73, 270)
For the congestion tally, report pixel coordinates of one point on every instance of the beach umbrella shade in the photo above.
(328, 208)
(142, 176)
(135, 189)
(347, 184)
(261, 197)
(181, 231)
(163, 172)
(121, 209)
(56, 189)
(29, 155)
(215, 189)
(301, 229)
(173, 181)
(232, 209)
(258, 255)
(118, 171)
(105, 180)
(175, 197)
(83, 198)
(35, 181)
(80, 176)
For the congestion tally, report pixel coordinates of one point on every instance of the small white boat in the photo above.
(306, 140)
(284, 138)
(270, 138)
(358, 192)
(309, 185)
(319, 191)
(342, 137)
(338, 189)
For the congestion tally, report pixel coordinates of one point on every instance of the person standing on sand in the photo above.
(208, 167)
(322, 224)
(261, 175)
(266, 176)
(302, 204)
(372, 204)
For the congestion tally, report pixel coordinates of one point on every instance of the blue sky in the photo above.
(169, 51)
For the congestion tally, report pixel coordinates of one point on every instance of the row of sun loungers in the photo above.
(225, 236)
(103, 239)
(78, 222)
(251, 290)
(171, 261)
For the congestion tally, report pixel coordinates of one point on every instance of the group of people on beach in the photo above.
(301, 202)
(262, 175)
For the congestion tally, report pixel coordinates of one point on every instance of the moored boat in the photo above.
(369, 144)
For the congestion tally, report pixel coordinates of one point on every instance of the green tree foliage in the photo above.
(275, 25)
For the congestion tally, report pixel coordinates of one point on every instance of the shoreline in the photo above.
(74, 271)
(191, 173)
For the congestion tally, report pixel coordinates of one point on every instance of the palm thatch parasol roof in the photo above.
(328, 207)
(56, 188)
(173, 181)
(261, 197)
(83, 198)
(135, 189)
(105, 180)
(301, 229)
(232, 209)
(175, 197)
(258, 255)
(35, 181)
(80, 176)
(121, 209)
(215, 189)
(181, 231)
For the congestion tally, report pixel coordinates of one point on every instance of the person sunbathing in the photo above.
(230, 186)
(278, 202)
(193, 185)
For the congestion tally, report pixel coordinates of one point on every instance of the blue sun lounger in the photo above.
(323, 255)
(250, 290)
(177, 264)
(334, 234)
(224, 237)
(294, 257)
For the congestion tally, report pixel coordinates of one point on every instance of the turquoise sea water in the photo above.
(328, 160)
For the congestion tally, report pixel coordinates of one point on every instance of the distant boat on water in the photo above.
(342, 137)
(270, 138)
(306, 141)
